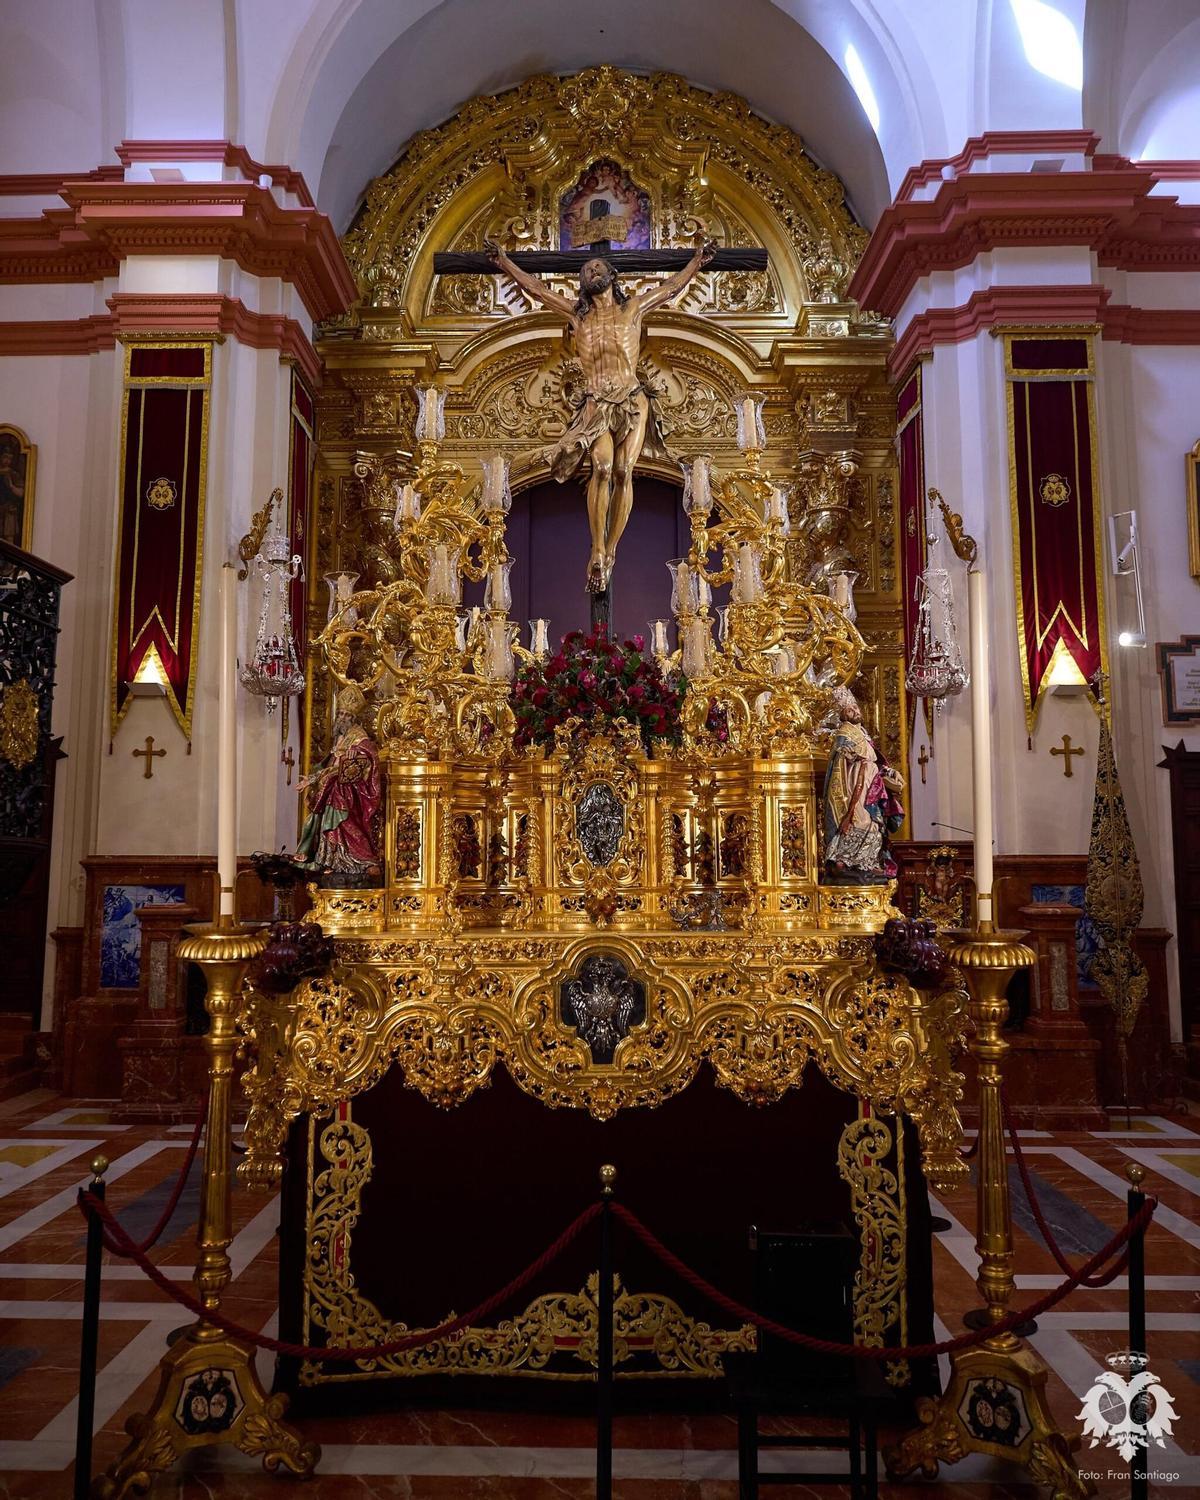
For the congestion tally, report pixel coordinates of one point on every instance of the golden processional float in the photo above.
(598, 911)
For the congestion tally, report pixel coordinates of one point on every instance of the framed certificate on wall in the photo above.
(1179, 676)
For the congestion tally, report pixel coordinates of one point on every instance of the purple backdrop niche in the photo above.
(549, 540)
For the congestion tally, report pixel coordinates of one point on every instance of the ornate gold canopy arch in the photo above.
(499, 170)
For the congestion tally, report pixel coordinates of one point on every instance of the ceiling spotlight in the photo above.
(1132, 638)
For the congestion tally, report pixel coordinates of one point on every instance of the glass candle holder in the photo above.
(431, 414)
(747, 574)
(684, 595)
(539, 638)
(499, 663)
(697, 643)
(751, 430)
(497, 591)
(777, 509)
(723, 624)
(443, 585)
(697, 487)
(659, 645)
(408, 504)
(341, 587)
(462, 621)
(841, 591)
(497, 493)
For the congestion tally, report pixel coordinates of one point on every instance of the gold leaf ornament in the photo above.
(19, 724)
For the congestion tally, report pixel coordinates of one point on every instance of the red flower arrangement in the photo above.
(593, 678)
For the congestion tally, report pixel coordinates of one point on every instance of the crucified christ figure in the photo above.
(611, 421)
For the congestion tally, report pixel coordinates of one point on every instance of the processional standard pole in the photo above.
(995, 1398)
(208, 1390)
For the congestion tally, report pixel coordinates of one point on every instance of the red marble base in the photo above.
(91, 1041)
(1051, 1083)
(163, 1073)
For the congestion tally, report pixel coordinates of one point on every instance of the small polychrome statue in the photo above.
(860, 806)
(339, 840)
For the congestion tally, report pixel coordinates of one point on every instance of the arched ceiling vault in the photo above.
(378, 73)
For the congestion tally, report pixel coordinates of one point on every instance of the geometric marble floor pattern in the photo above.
(46, 1143)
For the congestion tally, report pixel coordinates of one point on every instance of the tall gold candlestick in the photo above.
(206, 1370)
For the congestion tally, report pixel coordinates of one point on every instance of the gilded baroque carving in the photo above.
(864, 1150)
(556, 1334)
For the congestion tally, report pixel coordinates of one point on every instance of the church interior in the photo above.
(600, 748)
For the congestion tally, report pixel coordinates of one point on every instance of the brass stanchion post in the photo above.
(995, 1398)
(209, 1391)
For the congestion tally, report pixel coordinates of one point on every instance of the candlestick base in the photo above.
(208, 1389)
(994, 1403)
(208, 1392)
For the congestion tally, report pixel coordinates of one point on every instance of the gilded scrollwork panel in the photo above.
(555, 1336)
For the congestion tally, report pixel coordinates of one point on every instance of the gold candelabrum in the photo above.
(782, 646)
(209, 1391)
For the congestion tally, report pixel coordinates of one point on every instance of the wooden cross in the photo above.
(923, 760)
(149, 752)
(477, 263)
(1066, 750)
(289, 760)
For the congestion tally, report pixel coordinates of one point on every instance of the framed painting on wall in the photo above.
(1193, 503)
(18, 469)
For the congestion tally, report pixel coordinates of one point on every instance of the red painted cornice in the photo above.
(198, 314)
(1029, 306)
(1180, 170)
(49, 184)
(993, 306)
(58, 336)
(998, 143)
(1152, 325)
(225, 152)
(1110, 213)
(106, 221)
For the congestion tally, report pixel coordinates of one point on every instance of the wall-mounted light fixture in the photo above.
(1126, 563)
(151, 679)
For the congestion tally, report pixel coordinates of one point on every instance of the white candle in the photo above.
(981, 744)
(750, 432)
(227, 797)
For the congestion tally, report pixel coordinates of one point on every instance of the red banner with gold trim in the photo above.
(160, 530)
(910, 447)
(1056, 530)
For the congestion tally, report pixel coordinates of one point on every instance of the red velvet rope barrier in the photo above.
(1064, 1265)
(859, 1351)
(176, 1192)
(90, 1204)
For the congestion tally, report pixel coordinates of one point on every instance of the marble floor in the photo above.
(46, 1143)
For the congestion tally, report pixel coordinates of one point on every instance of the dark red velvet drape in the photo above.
(1056, 539)
(161, 523)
